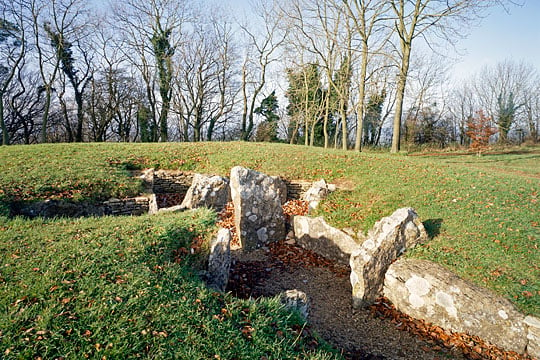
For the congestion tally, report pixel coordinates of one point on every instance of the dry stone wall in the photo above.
(130, 206)
(171, 182)
(296, 188)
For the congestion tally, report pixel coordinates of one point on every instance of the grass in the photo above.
(116, 288)
(482, 212)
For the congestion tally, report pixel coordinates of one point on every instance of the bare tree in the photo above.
(262, 46)
(205, 95)
(427, 19)
(13, 46)
(59, 18)
(322, 30)
(152, 31)
(24, 107)
(368, 18)
(74, 56)
(503, 91)
(532, 109)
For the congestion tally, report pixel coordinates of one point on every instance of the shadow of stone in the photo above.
(433, 227)
(50, 209)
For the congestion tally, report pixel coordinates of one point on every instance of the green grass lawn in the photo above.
(482, 212)
(116, 288)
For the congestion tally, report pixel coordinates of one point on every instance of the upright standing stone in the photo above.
(219, 261)
(258, 214)
(388, 239)
(209, 191)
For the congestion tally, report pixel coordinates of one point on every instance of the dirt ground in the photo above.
(358, 334)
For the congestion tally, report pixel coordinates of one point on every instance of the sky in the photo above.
(502, 35)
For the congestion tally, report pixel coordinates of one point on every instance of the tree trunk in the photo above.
(400, 95)
(361, 96)
(80, 117)
(344, 138)
(45, 117)
(5, 135)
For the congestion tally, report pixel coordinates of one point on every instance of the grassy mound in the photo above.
(482, 212)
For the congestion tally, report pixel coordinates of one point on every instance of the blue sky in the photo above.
(502, 35)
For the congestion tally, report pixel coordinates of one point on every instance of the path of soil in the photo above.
(358, 334)
(380, 332)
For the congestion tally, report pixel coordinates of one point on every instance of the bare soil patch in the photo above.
(358, 334)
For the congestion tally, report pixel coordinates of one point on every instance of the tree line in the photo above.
(329, 73)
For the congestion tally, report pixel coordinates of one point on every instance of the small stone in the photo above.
(296, 300)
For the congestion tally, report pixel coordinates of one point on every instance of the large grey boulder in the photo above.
(318, 191)
(426, 290)
(219, 261)
(258, 214)
(316, 235)
(533, 336)
(388, 239)
(208, 191)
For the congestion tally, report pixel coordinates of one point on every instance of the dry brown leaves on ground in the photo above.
(472, 346)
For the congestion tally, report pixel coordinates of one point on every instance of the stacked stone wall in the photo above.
(130, 206)
(296, 188)
(171, 182)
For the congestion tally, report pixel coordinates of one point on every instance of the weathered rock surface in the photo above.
(388, 239)
(152, 204)
(258, 215)
(318, 191)
(426, 290)
(533, 336)
(219, 261)
(281, 188)
(296, 300)
(316, 235)
(209, 191)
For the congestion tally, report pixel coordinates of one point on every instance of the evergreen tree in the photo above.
(267, 130)
(306, 102)
(163, 52)
(507, 109)
(373, 117)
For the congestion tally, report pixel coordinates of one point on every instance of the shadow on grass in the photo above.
(433, 227)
